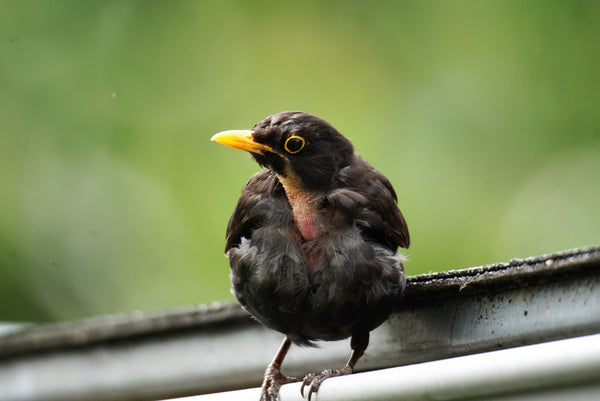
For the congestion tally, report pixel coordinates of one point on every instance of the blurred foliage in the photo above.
(484, 115)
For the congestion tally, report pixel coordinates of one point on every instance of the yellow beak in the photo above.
(242, 139)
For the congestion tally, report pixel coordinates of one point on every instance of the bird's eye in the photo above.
(294, 144)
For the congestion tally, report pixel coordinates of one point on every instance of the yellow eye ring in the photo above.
(294, 144)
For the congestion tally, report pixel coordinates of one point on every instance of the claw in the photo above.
(306, 381)
(272, 383)
(314, 380)
(310, 393)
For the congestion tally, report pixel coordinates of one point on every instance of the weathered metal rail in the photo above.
(217, 347)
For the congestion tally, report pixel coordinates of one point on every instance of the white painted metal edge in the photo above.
(534, 367)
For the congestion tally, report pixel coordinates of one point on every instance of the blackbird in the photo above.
(312, 243)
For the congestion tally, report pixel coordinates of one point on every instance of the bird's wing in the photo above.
(394, 225)
(263, 198)
(369, 197)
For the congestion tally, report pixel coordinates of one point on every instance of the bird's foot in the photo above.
(272, 382)
(314, 380)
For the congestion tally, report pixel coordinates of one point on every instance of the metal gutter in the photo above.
(217, 347)
(565, 369)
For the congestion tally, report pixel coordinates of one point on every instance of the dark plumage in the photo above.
(312, 241)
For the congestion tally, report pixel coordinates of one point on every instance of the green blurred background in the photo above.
(485, 115)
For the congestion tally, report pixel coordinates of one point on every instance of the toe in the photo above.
(306, 382)
(314, 380)
(272, 383)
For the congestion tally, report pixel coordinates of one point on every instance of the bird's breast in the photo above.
(307, 216)
(305, 208)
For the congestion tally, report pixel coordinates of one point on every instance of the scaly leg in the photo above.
(273, 378)
(359, 343)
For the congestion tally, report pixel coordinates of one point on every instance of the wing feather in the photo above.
(368, 196)
(262, 201)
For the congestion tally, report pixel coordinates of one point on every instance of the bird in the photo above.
(313, 241)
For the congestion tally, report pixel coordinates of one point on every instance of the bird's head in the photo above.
(296, 146)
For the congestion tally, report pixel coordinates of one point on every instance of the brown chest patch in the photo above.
(305, 208)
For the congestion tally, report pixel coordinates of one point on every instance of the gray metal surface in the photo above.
(557, 370)
(217, 347)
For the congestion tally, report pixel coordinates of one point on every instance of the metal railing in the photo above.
(449, 321)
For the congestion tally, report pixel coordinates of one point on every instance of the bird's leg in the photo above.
(273, 378)
(359, 343)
